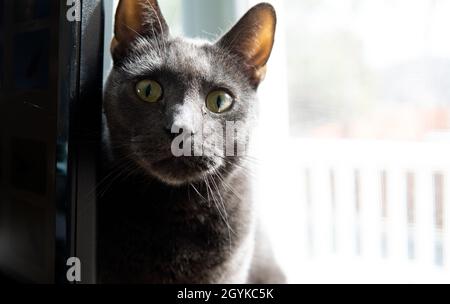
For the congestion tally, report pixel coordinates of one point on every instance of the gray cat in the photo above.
(167, 219)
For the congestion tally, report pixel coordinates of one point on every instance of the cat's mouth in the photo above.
(182, 170)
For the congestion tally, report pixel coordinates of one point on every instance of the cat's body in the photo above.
(166, 219)
(173, 235)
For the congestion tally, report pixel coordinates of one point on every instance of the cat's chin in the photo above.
(180, 171)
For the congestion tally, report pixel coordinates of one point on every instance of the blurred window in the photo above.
(369, 68)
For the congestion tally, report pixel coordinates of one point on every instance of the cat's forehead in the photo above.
(177, 55)
(194, 55)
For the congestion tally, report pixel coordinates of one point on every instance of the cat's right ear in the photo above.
(134, 19)
(252, 39)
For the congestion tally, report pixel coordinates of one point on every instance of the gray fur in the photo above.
(185, 220)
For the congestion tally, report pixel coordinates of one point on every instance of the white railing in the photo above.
(378, 210)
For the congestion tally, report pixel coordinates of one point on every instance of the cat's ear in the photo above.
(252, 39)
(137, 18)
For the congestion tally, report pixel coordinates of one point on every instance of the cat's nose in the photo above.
(182, 119)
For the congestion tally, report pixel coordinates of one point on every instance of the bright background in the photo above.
(353, 147)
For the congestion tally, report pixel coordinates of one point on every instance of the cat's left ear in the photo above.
(252, 39)
(134, 19)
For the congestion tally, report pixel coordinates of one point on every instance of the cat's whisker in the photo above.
(122, 163)
(244, 170)
(222, 180)
(198, 192)
(221, 198)
(219, 207)
(119, 173)
(116, 170)
(237, 165)
(216, 204)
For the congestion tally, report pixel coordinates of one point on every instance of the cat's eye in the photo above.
(149, 91)
(219, 101)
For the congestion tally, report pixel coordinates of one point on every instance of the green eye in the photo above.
(149, 91)
(219, 101)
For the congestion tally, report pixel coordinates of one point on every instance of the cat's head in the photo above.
(161, 84)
